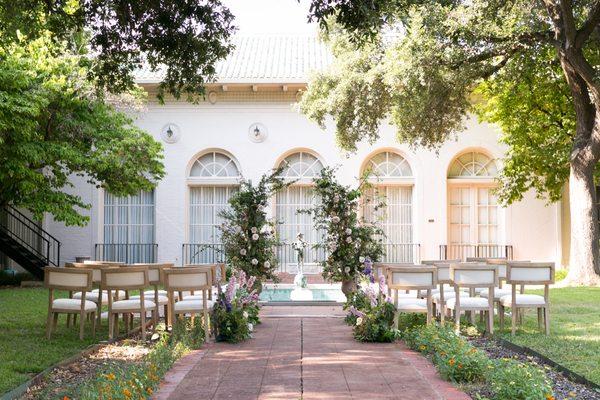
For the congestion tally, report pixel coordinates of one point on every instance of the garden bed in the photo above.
(563, 387)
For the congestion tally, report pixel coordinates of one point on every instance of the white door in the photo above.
(473, 222)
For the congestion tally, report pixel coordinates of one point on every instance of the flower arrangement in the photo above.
(348, 238)
(371, 310)
(236, 311)
(247, 234)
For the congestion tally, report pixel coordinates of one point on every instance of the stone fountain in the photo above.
(301, 292)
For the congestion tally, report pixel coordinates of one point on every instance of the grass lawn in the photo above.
(24, 349)
(574, 339)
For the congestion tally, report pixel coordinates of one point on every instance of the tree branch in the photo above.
(588, 26)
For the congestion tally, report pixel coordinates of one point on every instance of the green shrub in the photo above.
(359, 301)
(409, 321)
(377, 324)
(11, 278)
(229, 323)
(513, 380)
(190, 336)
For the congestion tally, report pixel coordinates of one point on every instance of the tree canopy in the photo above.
(55, 123)
(182, 39)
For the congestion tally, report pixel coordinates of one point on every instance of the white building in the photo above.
(438, 204)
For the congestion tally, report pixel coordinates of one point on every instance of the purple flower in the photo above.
(371, 295)
(355, 312)
(230, 292)
(242, 278)
(250, 283)
(383, 288)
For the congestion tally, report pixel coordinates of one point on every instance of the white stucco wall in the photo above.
(530, 226)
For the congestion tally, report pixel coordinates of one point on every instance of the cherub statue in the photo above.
(300, 246)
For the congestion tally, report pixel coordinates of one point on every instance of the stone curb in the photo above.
(177, 373)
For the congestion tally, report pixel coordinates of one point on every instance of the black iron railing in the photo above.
(202, 253)
(127, 253)
(462, 251)
(29, 234)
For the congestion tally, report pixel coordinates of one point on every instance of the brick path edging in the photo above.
(177, 373)
(426, 368)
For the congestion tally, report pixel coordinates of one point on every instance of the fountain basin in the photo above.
(273, 293)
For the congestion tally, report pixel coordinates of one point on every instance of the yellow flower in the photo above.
(149, 391)
(422, 347)
(126, 393)
(110, 377)
(451, 361)
(549, 397)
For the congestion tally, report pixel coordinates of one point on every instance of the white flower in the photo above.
(253, 229)
(335, 219)
(267, 264)
(245, 314)
(255, 236)
(361, 259)
(347, 269)
(254, 261)
(250, 327)
(349, 239)
(243, 252)
(336, 198)
(348, 231)
(359, 321)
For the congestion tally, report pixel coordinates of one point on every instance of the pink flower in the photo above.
(242, 278)
(230, 292)
(371, 295)
(250, 283)
(355, 312)
(383, 289)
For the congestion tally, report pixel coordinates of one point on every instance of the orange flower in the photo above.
(110, 377)
(451, 361)
(127, 393)
(149, 391)
(459, 366)
(66, 398)
(549, 397)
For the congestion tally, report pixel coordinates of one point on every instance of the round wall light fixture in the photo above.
(257, 132)
(170, 133)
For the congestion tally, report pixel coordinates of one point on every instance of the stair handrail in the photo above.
(52, 244)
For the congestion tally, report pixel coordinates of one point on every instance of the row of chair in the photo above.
(187, 290)
(439, 287)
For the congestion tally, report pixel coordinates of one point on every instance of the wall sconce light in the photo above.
(257, 132)
(170, 133)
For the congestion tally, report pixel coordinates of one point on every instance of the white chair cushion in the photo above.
(523, 300)
(192, 305)
(447, 295)
(497, 293)
(468, 302)
(194, 297)
(162, 300)
(412, 305)
(93, 295)
(73, 304)
(132, 304)
(121, 293)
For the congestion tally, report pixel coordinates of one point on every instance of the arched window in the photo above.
(474, 223)
(213, 178)
(391, 178)
(473, 165)
(301, 167)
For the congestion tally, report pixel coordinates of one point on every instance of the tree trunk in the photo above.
(584, 255)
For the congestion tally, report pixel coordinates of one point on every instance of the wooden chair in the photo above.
(219, 273)
(415, 277)
(445, 290)
(189, 279)
(132, 278)
(500, 291)
(70, 280)
(157, 295)
(471, 276)
(380, 269)
(94, 294)
(528, 273)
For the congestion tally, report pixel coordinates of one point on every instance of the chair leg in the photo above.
(68, 320)
(81, 325)
(457, 320)
(501, 315)
(55, 322)
(143, 322)
(539, 318)
(49, 324)
(207, 326)
(116, 324)
(94, 325)
(111, 322)
(547, 320)
(490, 315)
(514, 313)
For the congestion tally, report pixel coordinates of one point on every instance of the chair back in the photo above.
(414, 277)
(155, 277)
(443, 271)
(473, 275)
(434, 262)
(530, 273)
(96, 268)
(384, 266)
(68, 279)
(189, 278)
(114, 263)
(131, 278)
(219, 271)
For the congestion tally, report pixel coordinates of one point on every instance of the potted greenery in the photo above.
(348, 239)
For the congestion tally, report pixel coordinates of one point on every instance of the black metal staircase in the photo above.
(26, 243)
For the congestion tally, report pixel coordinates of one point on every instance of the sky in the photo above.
(271, 16)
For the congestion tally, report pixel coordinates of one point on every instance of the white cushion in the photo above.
(192, 305)
(448, 295)
(497, 293)
(121, 293)
(93, 295)
(412, 305)
(468, 302)
(162, 300)
(523, 300)
(133, 304)
(194, 297)
(73, 304)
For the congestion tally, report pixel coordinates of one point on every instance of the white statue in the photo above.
(300, 246)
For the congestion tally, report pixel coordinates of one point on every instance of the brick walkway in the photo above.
(304, 358)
